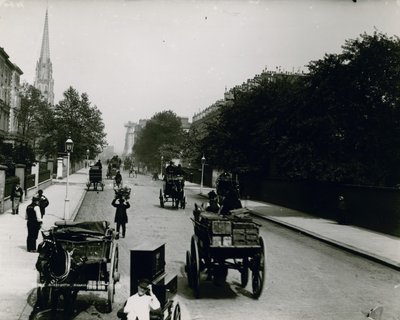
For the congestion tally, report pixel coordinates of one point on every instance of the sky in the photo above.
(137, 58)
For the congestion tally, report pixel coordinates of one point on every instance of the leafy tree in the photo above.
(30, 115)
(162, 136)
(75, 117)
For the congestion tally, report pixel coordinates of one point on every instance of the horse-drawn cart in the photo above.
(222, 242)
(76, 256)
(173, 191)
(95, 178)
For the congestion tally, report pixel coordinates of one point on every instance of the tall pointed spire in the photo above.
(45, 51)
(44, 68)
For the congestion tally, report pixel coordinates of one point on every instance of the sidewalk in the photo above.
(379, 247)
(17, 266)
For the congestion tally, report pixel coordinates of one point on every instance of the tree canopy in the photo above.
(162, 136)
(339, 122)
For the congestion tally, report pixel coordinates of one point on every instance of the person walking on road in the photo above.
(43, 202)
(16, 197)
(121, 217)
(34, 223)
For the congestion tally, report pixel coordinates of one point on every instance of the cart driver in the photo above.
(139, 306)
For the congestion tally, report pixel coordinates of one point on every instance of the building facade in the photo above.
(10, 101)
(44, 68)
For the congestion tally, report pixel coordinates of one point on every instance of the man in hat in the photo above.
(34, 223)
(43, 202)
(139, 305)
(16, 197)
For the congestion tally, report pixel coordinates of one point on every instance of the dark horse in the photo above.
(57, 271)
(177, 193)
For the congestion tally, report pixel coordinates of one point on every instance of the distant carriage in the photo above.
(226, 184)
(173, 191)
(95, 178)
(114, 165)
(73, 257)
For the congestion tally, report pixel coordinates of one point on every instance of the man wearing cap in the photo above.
(34, 223)
(140, 304)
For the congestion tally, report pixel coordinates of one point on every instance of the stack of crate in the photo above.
(244, 234)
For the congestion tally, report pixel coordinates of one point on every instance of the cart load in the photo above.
(222, 242)
(77, 256)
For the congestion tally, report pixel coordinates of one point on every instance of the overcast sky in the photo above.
(136, 58)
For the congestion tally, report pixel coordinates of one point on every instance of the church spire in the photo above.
(45, 51)
(44, 68)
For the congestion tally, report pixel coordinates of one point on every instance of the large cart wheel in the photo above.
(88, 186)
(258, 272)
(195, 266)
(244, 273)
(177, 312)
(113, 273)
(102, 186)
(161, 199)
(188, 268)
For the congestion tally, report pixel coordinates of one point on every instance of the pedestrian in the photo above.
(98, 164)
(34, 223)
(43, 202)
(16, 197)
(139, 306)
(121, 217)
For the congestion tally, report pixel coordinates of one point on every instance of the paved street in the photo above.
(306, 278)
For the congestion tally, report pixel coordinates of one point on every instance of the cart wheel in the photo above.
(258, 273)
(111, 280)
(188, 268)
(244, 273)
(102, 186)
(161, 199)
(195, 266)
(88, 186)
(177, 312)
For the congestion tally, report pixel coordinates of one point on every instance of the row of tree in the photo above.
(340, 122)
(44, 129)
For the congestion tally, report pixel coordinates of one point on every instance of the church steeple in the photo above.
(44, 68)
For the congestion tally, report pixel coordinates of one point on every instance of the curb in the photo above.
(78, 206)
(349, 248)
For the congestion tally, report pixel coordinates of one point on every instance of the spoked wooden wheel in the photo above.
(258, 271)
(177, 312)
(195, 266)
(113, 277)
(244, 273)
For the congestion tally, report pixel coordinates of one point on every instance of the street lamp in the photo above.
(203, 161)
(69, 147)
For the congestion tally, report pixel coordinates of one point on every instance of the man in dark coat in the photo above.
(43, 202)
(34, 223)
(121, 217)
(16, 197)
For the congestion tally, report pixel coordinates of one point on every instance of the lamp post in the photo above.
(87, 158)
(69, 147)
(162, 159)
(203, 161)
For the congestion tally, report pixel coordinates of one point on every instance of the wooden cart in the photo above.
(77, 256)
(225, 242)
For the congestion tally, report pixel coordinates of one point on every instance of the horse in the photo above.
(177, 193)
(57, 269)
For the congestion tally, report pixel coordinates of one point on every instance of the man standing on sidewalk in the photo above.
(16, 197)
(34, 223)
(43, 202)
